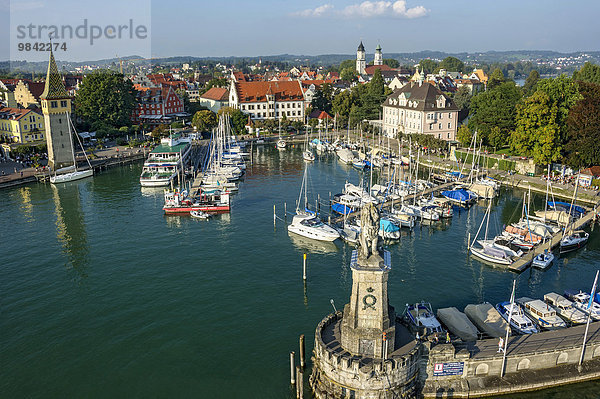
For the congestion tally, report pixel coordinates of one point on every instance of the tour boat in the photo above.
(542, 314)
(421, 316)
(518, 321)
(199, 214)
(166, 161)
(564, 308)
(205, 201)
(581, 300)
(573, 241)
(543, 260)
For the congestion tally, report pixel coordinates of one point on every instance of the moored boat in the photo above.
(564, 308)
(542, 314)
(518, 321)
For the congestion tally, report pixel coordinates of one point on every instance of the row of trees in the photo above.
(548, 119)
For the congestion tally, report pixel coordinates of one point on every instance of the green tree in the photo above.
(203, 121)
(583, 128)
(105, 96)
(496, 138)
(322, 98)
(588, 73)
(537, 133)
(495, 79)
(392, 63)
(494, 107)
(452, 64)
(347, 64)
(348, 74)
(238, 118)
(464, 135)
(429, 66)
(563, 93)
(531, 82)
(462, 98)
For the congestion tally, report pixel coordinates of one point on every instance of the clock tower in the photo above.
(56, 107)
(361, 59)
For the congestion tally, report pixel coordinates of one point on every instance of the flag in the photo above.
(593, 291)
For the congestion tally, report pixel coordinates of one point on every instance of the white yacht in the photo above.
(518, 321)
(564, 308)
(542, 314)
(311, 226)
(71, 173)
(581, 300)
(421, 316)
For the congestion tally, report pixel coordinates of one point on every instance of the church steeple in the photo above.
(54, 89)
(361, 59)
(378, 56)
(56, 107)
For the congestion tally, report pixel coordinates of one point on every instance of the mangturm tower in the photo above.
(361, 59)
(363, 352)
(378, 56)
(56, 107)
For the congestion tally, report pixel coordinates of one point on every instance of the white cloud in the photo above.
(367, 9)
(314, 12)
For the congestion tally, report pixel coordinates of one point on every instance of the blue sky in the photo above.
(311, 27)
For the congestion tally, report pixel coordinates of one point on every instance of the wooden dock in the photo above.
(523, 262)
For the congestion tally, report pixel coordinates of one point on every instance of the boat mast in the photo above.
(71, 141)
(547, 187)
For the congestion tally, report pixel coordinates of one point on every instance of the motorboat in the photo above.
(518, 321)
(542, 314)
(311, 226)
(359, 164)
(581, 300)
(308, 156)
(458, 323)
(564, 308)
(421, 316)
(487, 319)
(206, 201)
(573, 241)
(388, 229)
(543, 260)
(198, 214)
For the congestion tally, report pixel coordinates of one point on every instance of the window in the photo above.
(53, 104)
(63, 103)
(449, 125)
(450, 115)
(439, 125)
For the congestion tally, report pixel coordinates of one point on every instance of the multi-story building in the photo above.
(420, 107)
(27, 93)
(157, 105)
(21, 125)
(268, 100)
(215, 98)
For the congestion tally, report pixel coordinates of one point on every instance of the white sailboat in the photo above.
(72, 173)
(306, 223)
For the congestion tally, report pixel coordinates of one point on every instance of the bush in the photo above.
(121, 141)
(177, 125)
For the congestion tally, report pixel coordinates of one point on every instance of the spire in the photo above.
(361, 47)
(54, 88)
(378, 48)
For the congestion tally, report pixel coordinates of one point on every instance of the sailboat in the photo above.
(573, 240)
(307, 155)
(306, 222)
(75, 174)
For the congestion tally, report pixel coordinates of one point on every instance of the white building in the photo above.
(420, 107)
(268, 100)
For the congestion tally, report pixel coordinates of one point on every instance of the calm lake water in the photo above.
(103, 296)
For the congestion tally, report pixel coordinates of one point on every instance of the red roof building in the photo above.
(268, 100)
(157, 105)
(215, 98)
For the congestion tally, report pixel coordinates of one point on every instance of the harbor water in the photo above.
(102, 295)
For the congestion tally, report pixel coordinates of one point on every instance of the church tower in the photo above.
(56, 107)
(361, 59)
(378, 56)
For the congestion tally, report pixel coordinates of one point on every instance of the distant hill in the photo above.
(487, 57)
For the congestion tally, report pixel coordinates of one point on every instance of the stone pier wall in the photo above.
(337, 373)
(544, 367)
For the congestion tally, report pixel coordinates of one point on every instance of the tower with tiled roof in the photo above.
(361, 59)
(378, 56)
(56, 107)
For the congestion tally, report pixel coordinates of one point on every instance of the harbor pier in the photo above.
(535, 361)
